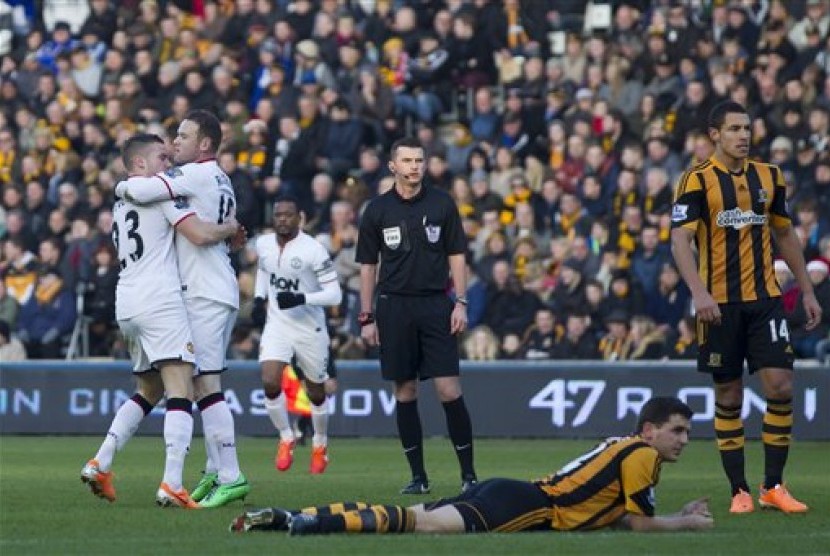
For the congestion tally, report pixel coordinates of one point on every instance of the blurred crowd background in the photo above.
(559, 127)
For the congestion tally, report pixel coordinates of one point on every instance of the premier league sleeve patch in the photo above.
(174, 172)
(181, 203)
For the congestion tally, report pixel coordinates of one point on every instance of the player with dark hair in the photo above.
(295, 280)
(414, 231)
(211, 292)
(152, 315)
(733, 208)
(612, 485)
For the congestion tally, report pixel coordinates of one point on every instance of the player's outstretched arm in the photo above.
(160, 187)
(200, 232)
(694, 516)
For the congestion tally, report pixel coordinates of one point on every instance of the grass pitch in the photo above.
(45, 509)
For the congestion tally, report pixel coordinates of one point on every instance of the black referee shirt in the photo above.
(414, 238)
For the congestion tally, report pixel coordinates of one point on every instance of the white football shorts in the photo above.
(211, 323)
(309, 346)
(158, 335)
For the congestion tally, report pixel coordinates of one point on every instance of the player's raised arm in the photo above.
(163, 186)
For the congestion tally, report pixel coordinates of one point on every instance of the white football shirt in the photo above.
(205, 271)
(143, 237)
(301, 266)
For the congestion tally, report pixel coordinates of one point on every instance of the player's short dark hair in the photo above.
(659, 410)
(209, 126)
(409, 142)
(718, 114)
(135, 145)
(287, 198)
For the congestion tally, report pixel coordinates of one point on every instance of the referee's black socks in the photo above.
(411, 435)
(461, 435)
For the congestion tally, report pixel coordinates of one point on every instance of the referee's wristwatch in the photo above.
(462, 300)
(365, 318)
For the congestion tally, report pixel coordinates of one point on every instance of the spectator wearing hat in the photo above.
(252, 156)
(665, 85)
(805, 341)
(615, 345)
(310, 68)
(61, 43)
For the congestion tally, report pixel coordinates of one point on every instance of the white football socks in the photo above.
(219, 435)
(278, 412)
(124, 424)
(178, 430)
(320, 421)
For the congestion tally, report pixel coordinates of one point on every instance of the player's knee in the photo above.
(205, 385)
(729, 394)
(316, 394)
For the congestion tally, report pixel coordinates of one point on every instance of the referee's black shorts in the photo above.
(415, 339)
(501, 505)
(755, 331)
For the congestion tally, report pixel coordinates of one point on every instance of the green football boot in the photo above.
(206, 484)
(225, 494)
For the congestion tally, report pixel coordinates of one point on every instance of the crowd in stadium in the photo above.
(560, 138)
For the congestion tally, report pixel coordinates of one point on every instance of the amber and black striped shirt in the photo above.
(731, 214)
(598, 488)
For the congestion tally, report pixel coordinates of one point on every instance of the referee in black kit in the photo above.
(415, 230)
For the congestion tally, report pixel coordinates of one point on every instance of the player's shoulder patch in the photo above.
(173, 172)
(181, 203)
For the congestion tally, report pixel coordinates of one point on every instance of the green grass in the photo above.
(44, 508)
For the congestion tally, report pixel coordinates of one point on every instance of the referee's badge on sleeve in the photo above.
(392, 237)
(433, 233)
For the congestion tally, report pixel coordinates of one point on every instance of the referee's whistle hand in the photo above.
(370, 335)
(458, 319)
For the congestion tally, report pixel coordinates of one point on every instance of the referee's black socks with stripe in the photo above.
(461, 434)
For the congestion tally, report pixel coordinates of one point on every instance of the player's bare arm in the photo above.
(694, 516)
(200, 232)
(159, 187)
(790, 248)
(706, 308)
